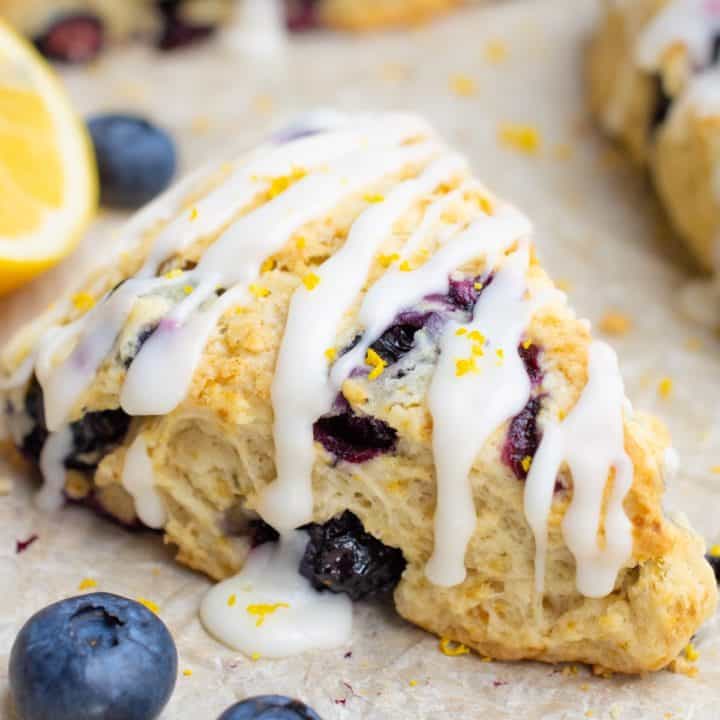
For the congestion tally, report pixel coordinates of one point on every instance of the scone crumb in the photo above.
(187, 672)
(615, 323)
(6, 485)
(665, 387)
(486, 659)
(87, 583)
(268, 265)
(331, 354)
(570, 670)
(311, 281)
(377, 364)
(149, 604)
(262, 610)
(495, 51)
(451, 648)
(523, 138)
(232, 600)
(463, 85)
(693, 344)
(83, 301)
(258, 290)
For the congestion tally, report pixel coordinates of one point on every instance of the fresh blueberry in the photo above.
(351, 437)
(341, 557)
(715, 50)
(530, 356)
(136, 160)
(301, 15)
(92, 657)
(72, 38)
(522, 439)
(397, 340)
(269, 707)
(714, 561)
(177, 32)
(663, 103)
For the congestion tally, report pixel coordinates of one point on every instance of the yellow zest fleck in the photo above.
(258, 290)
(262, 610)
(691, 653)
(500, 354)
(714, 551)
(301, 243)
(465, 365)
(665, 387)
(404, 266)
(461, 331)
(255, 656)
(83, 301)
(373, 198)
(526, 344)
(395, 486)
(615, 323)
(412, 683)
(194, 214)
(463, 85)
(523, 138)
(87, 583)
(311, 281)
(526, 462)
(331, 354)
(478, 285)
(239, 310)
(172, 274)
(268, 265)
(486, 205)
(187, 672)
(149, 604)
(376, 363)
(477, 350)
(451, 648)
(279, 185)
(387, 260)
(188, 289)
(476, 336)
(495, 51)
(232, 600)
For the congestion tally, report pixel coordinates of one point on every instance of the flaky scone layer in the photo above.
(213, 456)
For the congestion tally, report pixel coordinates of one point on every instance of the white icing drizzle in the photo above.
(301, 389)
(138, 478)
(591, 441)
(466, 410)
(52, 465)
(270, 610)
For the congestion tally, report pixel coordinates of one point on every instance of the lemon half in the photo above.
(48, 179)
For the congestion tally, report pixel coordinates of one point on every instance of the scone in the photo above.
(655, 84)
(344, 332)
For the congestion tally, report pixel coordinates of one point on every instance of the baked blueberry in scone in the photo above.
(654, 83)
(335, 362)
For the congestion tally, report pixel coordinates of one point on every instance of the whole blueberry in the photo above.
(269, 707)
(92, 657)
(136, 159)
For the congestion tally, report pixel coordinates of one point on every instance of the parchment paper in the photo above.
(599, 230)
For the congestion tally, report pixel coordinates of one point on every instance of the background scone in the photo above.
(344, 320)
(655, 84)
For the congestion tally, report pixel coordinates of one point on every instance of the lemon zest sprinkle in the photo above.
(486, 205)
(331, 354)
(262, 610)
(311, 281)
(477, 350)
(255, 656)
(268, 265)
(526, 462)
(87, 583)
(463, 85)
(477, 336)
(691, 653)
(387, 260)
(526, 344)
(500, 354)
(172, 274)
(376, 363)
(188, 289)
(714, 551)
(465, 365)
(301, 243)
(83, 301)
(461, 331)
(278, 185)
(451, 648)
(373, 198)
(523, 138)
(194, 214)
(187, 672)
(149, 604)
(405, 266)
(665, 387)
(258, 290)
(412, 683)
(232, 600)
(495, 51)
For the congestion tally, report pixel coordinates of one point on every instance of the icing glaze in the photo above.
(269, 610)
(591, 441)
(52, 466)
(138, 479)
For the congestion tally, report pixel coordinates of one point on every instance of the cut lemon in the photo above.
(48, 183)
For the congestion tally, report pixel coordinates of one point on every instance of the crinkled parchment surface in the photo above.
(599, 231)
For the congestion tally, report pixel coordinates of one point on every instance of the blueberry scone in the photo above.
(655, 84)
(343, 343)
